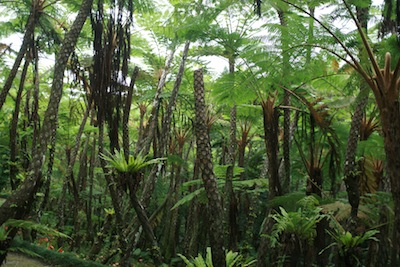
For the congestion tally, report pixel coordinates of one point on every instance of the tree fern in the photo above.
(232, 259)
(133, 165)
(301, 223)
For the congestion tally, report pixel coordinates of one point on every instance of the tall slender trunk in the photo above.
(165, 131)
(231, 201)
(13, 129)
(20, 202)
(286, 102)
(204, 157)
(35, 120)
(49, 174)
(89, 209)
(22, 199)
(69, 176)
(193, 219)
(144, 144)
(351, 178)
(125, 118)
(111, 184)
(29, 30)
(271, 131)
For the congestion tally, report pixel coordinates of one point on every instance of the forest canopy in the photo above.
(200, 133)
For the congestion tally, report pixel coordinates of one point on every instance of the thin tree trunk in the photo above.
(90, 231)
(13, 129)
(20, 202)
(127, 109)
(351, 178)
(101, 236)
(35, 120)
(111, 184)
(271, 131)
(80, 186)
(165, 132)
(286, 102)
(143, 145)
(49, 174)
(144, 221)
(22, 199)
(231, 201)
(30, 27)
(69, 176)
(204, 157)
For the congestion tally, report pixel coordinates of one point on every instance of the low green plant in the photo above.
(350, 246)
(232, 259)
(301, 223)
(133, 165)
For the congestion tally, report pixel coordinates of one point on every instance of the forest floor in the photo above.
(19, 260)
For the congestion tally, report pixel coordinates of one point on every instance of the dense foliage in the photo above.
(201, 133)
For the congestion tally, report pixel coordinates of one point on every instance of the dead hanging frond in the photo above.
(143, 108)
(268, 105)
(371, 171)
(318, 110)
(368, 126)
(245, 128)
(112, 51)
(182, 135)
(211, 118)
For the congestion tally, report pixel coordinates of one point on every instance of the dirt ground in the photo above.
(18, 260)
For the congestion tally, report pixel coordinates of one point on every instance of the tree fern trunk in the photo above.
(231, 201)
(90, 231)
(13, 129)
(149, 132)
(271, 131)
(127, 109)
(165, 131)
(350, 171)
(286, 102)
(29, 30)
(204, 157)
(351, 178)
(20, 202)
(22, 199)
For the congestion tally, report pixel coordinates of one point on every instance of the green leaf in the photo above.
(188, 198)
(29, 225)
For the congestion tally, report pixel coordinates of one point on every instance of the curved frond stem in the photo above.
(51, 3)
(328, 30)
(352, 64)
(396, 73)
(368, 48)
(357, 66)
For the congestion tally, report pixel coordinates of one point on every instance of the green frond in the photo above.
(232, 259)
(188, 198)
(186, 260)
(133, 165)
(29, 225)
(301, 223)
(209, 262)
(346, 241)
(25, 251)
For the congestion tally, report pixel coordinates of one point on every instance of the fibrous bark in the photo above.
(22, 199)
(20, 202)
(26, 42)
(166, 128)
(204, 157)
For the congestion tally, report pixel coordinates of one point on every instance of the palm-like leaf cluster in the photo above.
(132, 165)
(301, 223)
